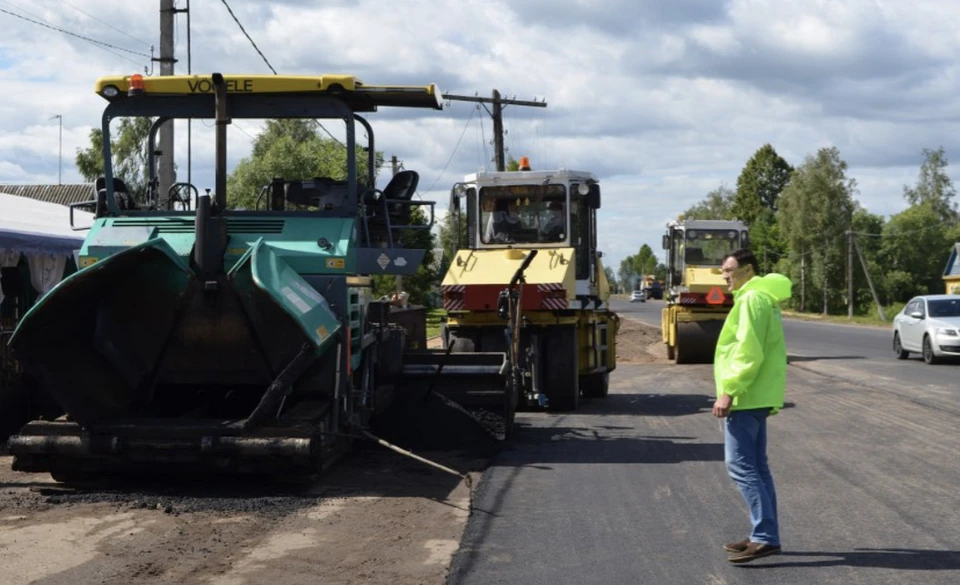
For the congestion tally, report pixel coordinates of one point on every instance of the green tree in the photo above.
(611, 278)
(760, 184)
(816, 210)
(934, 187)
(128, 148)
(866, 227)
(644, 261)
(419, 285)
(917, 240)
(290, 148)
(627, 273)
(718, 204)
(766, 241)
(453, 235)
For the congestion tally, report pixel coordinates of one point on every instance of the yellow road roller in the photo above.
(697, 299)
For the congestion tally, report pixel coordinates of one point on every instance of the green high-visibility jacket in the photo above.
(750, 363)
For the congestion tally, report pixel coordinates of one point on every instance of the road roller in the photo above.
(697, 298)
(561, 339)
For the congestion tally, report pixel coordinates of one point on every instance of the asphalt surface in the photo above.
(632, 488)
(842, 350)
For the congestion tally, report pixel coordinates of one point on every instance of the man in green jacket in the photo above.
(750, 370)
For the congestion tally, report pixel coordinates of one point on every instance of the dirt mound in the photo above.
(638, 343)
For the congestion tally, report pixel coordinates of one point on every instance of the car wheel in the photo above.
(928, 351)
(902, 354)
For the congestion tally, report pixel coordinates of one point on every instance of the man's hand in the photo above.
(721, 407)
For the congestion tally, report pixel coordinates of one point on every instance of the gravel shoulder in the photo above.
(374, 517)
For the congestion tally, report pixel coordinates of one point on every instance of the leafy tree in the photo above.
(290, 148)
(419, 285)
(934, 187)
(129, 150)
(718, 204)
(816, 209)
(766, 241)
(760, 184)
(917, 240)
(644, 261)
(867, 227)
(627, 273)
(448, 239)
(611, 278)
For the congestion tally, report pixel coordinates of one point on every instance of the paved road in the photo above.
(838, 349)
(632, 489)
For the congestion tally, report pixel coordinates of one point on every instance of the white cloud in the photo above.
(663, 100)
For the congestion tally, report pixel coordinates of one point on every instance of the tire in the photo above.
(595, 385)
(928, 351)
(671, 352)
(562, 369)
(901, 353)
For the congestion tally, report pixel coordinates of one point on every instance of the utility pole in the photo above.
(866, 272)
(497, 115)
(60, 155)
(395, 166)
(166, 174)
(803, 281)
(849, 274)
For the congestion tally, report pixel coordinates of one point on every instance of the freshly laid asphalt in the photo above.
(632, 488)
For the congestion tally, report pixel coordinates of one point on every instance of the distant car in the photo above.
(638, 295)
(928, 325)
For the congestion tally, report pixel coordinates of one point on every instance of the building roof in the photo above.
(60, 194)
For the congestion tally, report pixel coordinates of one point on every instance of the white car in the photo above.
(928, 325)
(638, 295)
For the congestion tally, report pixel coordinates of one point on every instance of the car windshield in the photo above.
(944, 308)
(708, 247)
(523, 214)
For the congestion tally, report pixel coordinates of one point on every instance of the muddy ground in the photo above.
(375, 517)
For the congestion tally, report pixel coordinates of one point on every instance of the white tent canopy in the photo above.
(41, 232)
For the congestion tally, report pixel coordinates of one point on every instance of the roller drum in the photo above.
(697, 341)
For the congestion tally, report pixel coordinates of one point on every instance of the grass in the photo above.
(872, 318)
(433, 322)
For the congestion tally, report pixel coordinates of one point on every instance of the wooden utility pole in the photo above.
(866, 271)
(849, 274)
(165, 165)
(803, 282)
(497, 115)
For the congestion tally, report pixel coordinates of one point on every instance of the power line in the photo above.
(243, 30)
(465, 126)
(248, 37)
(81, 37)
(123, 32)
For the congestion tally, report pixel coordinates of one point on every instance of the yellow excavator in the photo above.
(697, 299)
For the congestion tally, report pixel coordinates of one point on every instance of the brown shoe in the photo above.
(736, 547)
(754, 550)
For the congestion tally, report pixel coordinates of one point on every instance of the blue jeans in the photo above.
(745, 455)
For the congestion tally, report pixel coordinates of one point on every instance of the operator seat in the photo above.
(124, 199)
(389, 203)
(400, 188)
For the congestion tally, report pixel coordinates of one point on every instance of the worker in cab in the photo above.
(502, 220)
(553, 225)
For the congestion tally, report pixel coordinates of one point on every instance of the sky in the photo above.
(663, 100)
